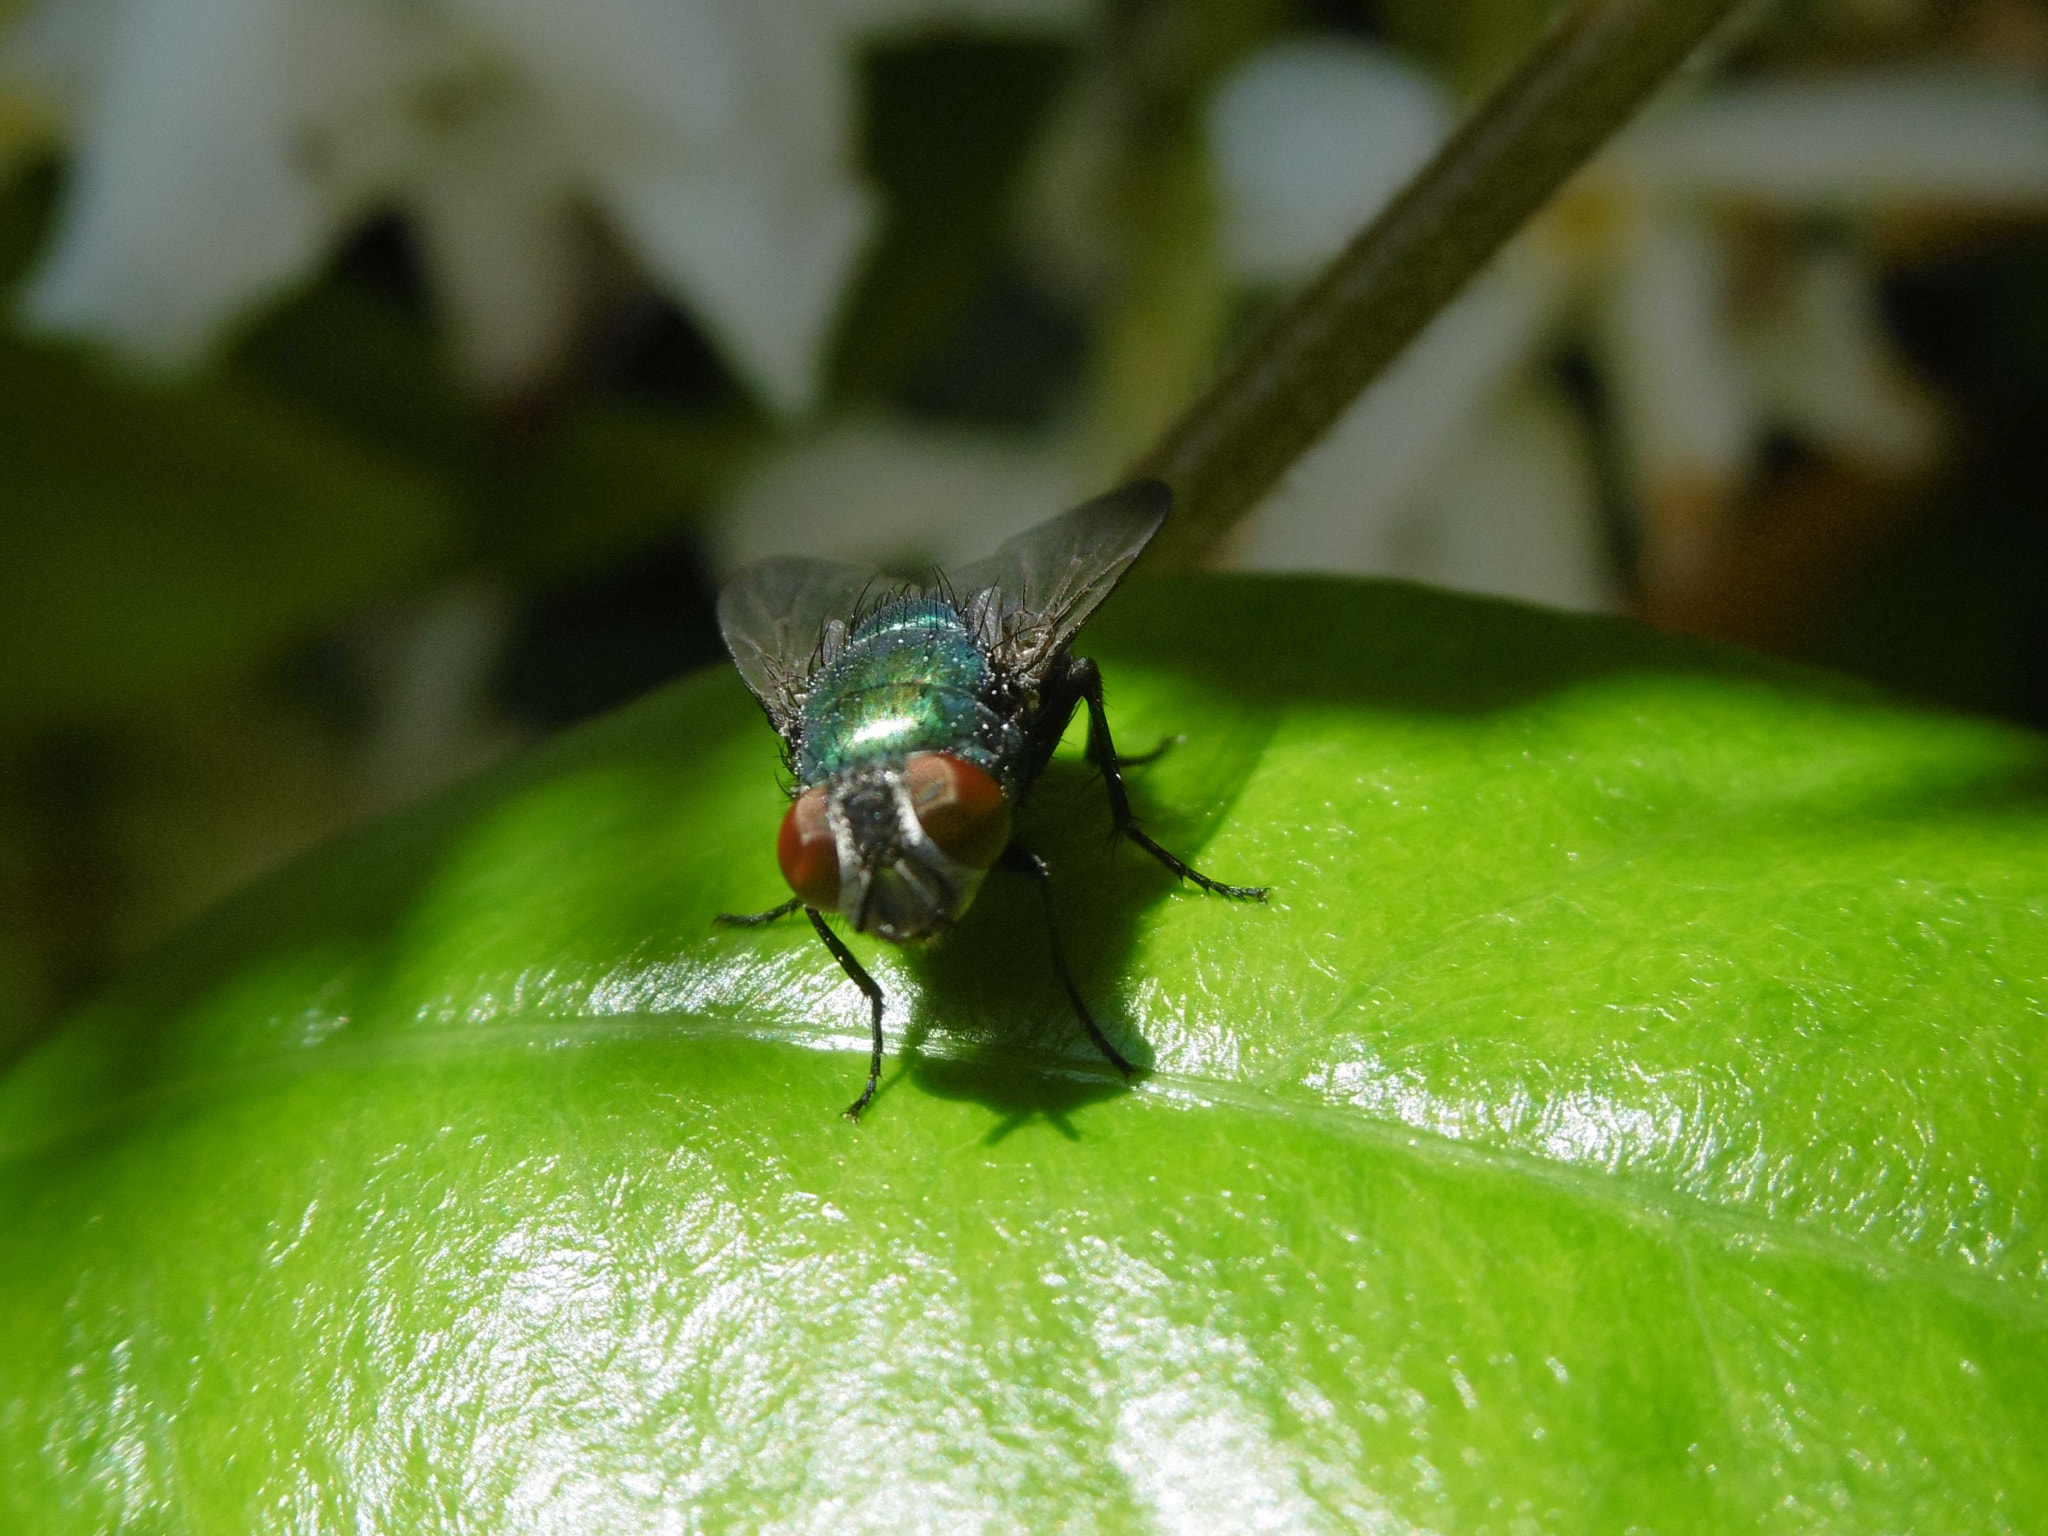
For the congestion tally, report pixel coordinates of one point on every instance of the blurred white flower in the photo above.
(889, 493)
(1639, 247)
(1509, 515)
(430, 663)
(1304, 135)
(222, 145)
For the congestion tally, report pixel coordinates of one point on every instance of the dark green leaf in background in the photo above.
(949, 124)
(581, 484)
(1627, 1114)
(156, 535)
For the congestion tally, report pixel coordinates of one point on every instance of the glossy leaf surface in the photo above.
(1627, 1113)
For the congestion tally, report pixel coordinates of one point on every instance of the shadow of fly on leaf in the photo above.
(915, 720)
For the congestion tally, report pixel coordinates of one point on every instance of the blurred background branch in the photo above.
(1586, 77)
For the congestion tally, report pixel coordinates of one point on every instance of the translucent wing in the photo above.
(780, 618)
(1025, 601)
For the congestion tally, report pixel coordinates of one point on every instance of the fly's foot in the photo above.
(756, 919)
(1110, 1053)
(1087, 682)
(1234, 892)
(1186, 871)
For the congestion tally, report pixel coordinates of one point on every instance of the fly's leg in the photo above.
(858, 975)
(1020, 860)
(756, 919)
(1087, 681)
(855, 972)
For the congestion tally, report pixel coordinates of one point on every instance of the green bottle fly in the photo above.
(915, 726)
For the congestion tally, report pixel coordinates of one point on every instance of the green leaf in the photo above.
(370, 365)
(1626, 1114)
(950, 122)
(607, 480)
(546, 498)
(156, 537)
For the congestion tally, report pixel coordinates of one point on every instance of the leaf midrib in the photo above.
(1668, 1213)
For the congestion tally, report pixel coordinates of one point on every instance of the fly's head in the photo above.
(897, 849)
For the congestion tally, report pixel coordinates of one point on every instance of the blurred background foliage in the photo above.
(326, 563)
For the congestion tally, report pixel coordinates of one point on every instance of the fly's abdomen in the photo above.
(907, 681)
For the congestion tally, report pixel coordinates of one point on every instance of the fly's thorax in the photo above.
(910, 678)
(898, 849)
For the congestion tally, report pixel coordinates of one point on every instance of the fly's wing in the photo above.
(780, 618)
(1025, 601)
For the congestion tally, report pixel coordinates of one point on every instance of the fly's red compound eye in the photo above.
(960, 807)
(808, 852)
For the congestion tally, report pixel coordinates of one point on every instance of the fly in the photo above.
(914, 726)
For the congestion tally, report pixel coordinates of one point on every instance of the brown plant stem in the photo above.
(1587, 77)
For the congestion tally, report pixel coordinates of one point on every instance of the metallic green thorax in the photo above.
(909, 679)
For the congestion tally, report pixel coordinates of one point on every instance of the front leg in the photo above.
(857, 974)
(756, 919)
(1086, 679)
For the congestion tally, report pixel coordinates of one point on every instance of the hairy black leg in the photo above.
(756, 919)
(1021, 860)
(1087, 681)
(860, 978)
